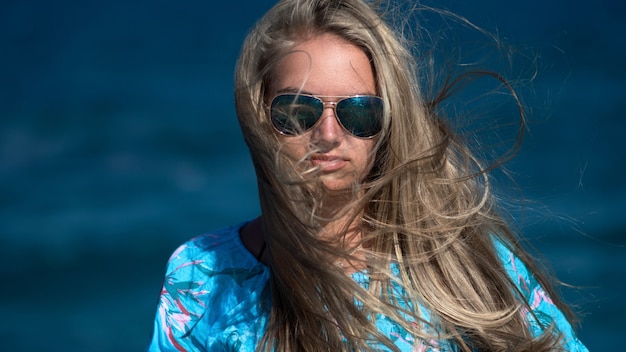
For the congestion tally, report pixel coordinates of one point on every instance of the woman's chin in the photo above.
(338, 185)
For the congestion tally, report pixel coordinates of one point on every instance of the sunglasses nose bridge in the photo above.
(328, 127)
(330, 105)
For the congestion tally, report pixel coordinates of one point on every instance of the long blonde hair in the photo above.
(426, 212)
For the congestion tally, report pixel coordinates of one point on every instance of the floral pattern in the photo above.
(212, 300)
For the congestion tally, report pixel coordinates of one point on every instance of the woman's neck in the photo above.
(340, 227)
(252, 237)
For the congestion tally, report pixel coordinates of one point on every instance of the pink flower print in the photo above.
(179, 250)
(181, 307)
(399, 337)
(539, 295)
(193, 262)
(178, 346)
(420, 348)
(179, 320)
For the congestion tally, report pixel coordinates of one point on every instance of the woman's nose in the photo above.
(327, 133)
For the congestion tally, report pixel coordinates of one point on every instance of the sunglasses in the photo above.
(359, 115)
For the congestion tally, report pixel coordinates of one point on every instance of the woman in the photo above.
(378, 229)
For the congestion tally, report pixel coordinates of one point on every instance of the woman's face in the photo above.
(332, 67)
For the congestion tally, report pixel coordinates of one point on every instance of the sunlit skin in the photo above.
(329, 67)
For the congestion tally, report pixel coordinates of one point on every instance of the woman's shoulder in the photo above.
(543, 312)
(206, 243)
(211, 282)
(519, 273)
(211, 253)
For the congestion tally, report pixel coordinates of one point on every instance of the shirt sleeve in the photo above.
(544, 311)
(177, 305)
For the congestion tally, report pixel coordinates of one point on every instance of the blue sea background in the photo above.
(119, 141)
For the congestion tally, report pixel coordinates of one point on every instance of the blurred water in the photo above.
(118, 141)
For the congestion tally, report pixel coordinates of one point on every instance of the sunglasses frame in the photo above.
(325, 105)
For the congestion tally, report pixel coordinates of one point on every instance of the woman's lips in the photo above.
(328, 163)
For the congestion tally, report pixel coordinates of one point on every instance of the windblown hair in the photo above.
(427, 215)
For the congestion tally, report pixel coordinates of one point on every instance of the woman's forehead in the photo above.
(325, 65)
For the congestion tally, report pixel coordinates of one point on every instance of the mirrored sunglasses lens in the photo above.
(294, 114)
(361, 116)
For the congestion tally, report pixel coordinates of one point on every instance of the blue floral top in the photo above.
(211, 300)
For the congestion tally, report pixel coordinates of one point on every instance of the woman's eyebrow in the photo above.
(293, 90)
